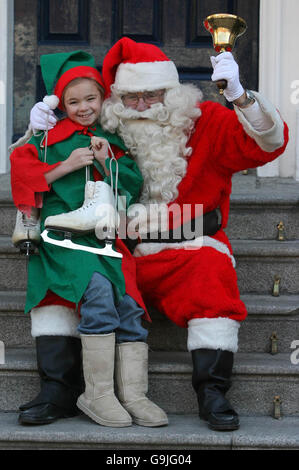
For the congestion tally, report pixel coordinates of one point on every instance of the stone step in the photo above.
(13, 265)
(257, 206)
(7, 217)
(257, 379)
(258, 262)
(266, 315)
(260, 222)
(184, 432)
(7, 208)
(249, 218)
(15, 326)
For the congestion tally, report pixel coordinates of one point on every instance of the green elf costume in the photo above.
(58, 277)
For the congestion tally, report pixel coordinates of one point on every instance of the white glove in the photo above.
(38, 117)
(226, 68)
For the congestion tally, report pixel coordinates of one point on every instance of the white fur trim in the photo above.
(22, 140)
(146, 76)
(213, 333)
(272, 138)
(144, 249)
(54, 320)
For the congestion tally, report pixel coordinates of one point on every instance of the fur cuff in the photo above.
(144, 249)
(54, 320)
(271, 139)
(213, 333)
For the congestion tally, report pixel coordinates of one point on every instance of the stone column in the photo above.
(6, 80)
(279, 71)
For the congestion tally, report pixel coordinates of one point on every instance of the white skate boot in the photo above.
(97, 211)
(26, 234)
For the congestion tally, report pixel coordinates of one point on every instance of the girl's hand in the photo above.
(79, 158)
(42, 117)
(100, 149)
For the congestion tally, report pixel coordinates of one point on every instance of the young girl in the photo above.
(111, 308)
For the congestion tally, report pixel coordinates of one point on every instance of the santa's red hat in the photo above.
(131, 66)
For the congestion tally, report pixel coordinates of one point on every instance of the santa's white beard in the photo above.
(157, 138)
(157, 153)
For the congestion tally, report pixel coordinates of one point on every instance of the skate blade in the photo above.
(68, 230)
(67, 243)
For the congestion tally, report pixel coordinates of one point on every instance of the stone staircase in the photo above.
(265, 380)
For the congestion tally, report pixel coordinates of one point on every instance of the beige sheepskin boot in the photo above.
(99, 401)
(131, 374)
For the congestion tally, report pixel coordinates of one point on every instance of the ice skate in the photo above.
(26, 234)
(96, 213)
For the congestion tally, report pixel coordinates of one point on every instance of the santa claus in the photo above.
(188, 151)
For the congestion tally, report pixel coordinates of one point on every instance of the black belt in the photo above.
(210, 226)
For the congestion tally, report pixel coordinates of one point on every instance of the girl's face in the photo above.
(83, 102)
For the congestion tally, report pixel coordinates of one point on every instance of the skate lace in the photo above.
(46, 138)
(114, 187)
(88, 204)
(111, 174)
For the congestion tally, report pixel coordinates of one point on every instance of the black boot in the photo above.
(212, 370)
(59, 366)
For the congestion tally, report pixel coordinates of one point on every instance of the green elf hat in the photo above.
(58, 70)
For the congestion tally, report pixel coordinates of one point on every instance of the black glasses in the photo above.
(149, 97)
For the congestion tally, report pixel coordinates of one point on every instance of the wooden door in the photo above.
(176, 26)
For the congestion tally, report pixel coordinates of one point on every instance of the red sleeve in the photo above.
(230, 145)
(27, 176)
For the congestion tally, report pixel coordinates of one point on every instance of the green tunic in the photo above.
(64, 271)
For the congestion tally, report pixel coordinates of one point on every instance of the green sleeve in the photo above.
(36, 141)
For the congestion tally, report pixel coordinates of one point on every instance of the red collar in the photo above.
(65, 128)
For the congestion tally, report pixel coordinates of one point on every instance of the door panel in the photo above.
(176, 26)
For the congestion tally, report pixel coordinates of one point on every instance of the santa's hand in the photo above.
(42, 117)
(226, 68)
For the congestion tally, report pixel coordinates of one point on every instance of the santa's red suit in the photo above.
(193, 282)
(187, 283)
(187, 157)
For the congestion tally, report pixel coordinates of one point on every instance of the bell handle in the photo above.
(221, 84)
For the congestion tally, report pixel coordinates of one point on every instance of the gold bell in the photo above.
(225, 29)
